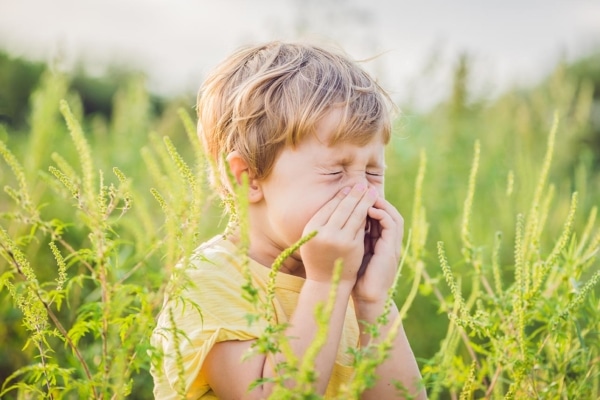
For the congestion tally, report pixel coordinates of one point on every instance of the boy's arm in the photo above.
(382, 253)
(229, 378)
(400, 366)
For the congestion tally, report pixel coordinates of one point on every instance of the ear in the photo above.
(238, 167)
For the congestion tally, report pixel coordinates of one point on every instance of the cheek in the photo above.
(379, 187)
(308, 203)
(292, 207)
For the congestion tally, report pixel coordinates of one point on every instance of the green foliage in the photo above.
(83, 253)
(512, 308)
(498, 287)
(18, 78)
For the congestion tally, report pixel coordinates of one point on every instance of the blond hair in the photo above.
(265, 97)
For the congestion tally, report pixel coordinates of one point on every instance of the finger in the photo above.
(351, 213)
(387, 227)
(385, 222)
(374, 231)
(385, 205)
(323, 215)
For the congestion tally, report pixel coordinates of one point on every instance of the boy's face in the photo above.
(303, 180)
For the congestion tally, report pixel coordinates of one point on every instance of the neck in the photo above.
(265, 252)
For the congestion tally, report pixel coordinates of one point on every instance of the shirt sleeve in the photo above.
(210, 309)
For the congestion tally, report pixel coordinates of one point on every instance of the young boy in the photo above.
(308, 128)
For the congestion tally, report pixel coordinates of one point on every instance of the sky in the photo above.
(412, 45)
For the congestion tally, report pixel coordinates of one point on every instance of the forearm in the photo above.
(303, 330)
(400, 366)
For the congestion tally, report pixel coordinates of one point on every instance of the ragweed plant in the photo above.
(84, 281)
(498, 288)
(511, 331)
(121, 309)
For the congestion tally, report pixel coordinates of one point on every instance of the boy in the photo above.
(308, 128)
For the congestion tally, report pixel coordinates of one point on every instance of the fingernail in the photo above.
(373, 192)
(360, 186)
(346, 190)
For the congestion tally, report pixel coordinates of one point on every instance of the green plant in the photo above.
(502, 237)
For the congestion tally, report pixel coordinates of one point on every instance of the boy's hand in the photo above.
(340, 224)
(382, 243)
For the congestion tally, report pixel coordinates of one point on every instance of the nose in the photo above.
(361, 177)
(358, 178)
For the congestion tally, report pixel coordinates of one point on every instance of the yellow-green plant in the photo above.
(537, 336)
(498, 288)
(75, 265)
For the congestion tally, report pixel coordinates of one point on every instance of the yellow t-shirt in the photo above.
(221, 314)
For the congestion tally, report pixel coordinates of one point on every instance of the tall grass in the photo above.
(498, 290)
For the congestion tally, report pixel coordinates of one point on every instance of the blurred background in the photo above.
(175, 42)
(462, 72)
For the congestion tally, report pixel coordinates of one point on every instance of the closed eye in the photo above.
(334, 173)
(374, 174)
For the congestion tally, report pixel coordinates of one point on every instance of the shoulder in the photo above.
(215, 255)
(208, 284)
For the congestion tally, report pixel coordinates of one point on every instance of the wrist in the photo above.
(322, 288)
(370, 311)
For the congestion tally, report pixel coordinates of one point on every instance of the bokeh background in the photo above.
(175, 42)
